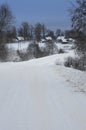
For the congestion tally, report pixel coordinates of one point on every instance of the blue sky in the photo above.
(54, 13)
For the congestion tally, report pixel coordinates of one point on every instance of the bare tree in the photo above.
(31, 32)
(24, 30)
(44, 31)
(6, 19)
(58, 32)
(38, 31)
(11, 34)
(50, 33)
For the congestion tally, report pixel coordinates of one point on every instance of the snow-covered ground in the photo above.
(39, 95)
(18, 45)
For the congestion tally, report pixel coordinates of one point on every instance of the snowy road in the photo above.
(38, 98)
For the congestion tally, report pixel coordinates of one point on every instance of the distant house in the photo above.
(62, 39)
(71, 40)
(43, 41)
(15, 40)
(49, 39)
(20, 39)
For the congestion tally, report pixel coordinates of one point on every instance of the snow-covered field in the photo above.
(20, 45)
(39, 95)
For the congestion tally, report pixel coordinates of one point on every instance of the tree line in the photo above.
(8, 30)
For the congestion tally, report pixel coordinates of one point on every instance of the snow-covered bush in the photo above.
(23, 55)
(61, 51)
(3, 52)
(77, 63)
(68, 61)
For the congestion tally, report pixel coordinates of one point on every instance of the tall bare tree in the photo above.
(58, 32)
(38, 31)
(43, 31)
(6, 19)
(24, 30)
(11, 34)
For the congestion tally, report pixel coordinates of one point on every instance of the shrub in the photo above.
(77, 63)
(61, 51)
(68, 62)
(23, 55)
(3, 52)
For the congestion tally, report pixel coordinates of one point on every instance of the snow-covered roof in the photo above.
(20, 38)
(43, 40)
(71, 39)
(62, 38)
(15, 40)
(48, 38)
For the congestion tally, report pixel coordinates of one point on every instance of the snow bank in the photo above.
(76, 78)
